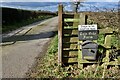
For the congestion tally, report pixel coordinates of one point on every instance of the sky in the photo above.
(57, 0)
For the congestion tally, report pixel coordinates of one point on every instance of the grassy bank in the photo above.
(16, 18)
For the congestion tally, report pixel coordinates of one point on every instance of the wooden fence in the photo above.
(68, 36)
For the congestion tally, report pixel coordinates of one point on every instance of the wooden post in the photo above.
(82, 22)
(60, 28)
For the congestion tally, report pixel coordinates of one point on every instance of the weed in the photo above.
(53, 48)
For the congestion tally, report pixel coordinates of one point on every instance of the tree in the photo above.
(76, 4)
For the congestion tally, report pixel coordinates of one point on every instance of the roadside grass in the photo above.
(53, 48)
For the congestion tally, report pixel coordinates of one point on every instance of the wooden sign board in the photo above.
(87, 27)
(87, 32)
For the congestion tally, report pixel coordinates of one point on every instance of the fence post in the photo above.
(60, 28)
(82, 21)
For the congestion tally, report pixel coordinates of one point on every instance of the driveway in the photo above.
(19, 51)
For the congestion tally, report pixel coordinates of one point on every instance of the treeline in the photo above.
(11, 17)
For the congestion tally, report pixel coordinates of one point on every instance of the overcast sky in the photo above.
(58, 0)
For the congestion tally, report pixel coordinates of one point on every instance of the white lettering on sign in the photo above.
(87, 27)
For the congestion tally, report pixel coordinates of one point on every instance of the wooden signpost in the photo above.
(88, 49)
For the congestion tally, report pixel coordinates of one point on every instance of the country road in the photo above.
(20, 51)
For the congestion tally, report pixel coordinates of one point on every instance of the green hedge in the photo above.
(15, 18)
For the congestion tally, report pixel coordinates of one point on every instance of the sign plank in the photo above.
(87, 27)
(87, 32)
(88, 35)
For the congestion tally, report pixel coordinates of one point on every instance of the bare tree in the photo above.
(76, 4)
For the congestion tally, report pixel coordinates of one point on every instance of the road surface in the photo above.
(20, 51)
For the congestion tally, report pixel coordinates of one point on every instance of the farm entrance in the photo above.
(72, 48)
